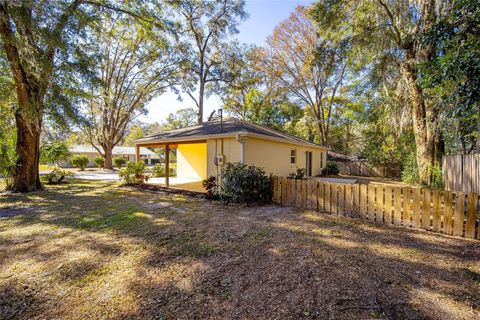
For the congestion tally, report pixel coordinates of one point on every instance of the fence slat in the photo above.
(436, 220)
(363, 201)
(298, 193)
(406, 206)
(471, 215)
(341, 199)
(371, 203)
(417, 208)
(328, 202)
(348, 201)
(397, 207)
(388, 205)
(459, 215)
(380, 206)
(447, 223)
(354, 189)
(321, 197)
(334, 204)
(426, 209)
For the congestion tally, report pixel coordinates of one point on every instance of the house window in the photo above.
(293, 156)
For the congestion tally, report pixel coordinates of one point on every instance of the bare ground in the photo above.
(91, 250)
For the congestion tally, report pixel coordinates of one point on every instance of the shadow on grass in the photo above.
(203, 260)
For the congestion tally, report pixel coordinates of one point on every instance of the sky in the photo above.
(264, 16)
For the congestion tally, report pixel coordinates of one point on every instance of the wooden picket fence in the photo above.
(452, 213)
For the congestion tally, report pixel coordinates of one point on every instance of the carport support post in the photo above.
(167, 166)
(137, 153)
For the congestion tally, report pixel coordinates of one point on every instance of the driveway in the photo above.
(106, 175)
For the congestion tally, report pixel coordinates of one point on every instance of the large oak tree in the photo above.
(45, 45)
(137, 63)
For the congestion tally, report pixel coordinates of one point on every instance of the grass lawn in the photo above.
(93, 250)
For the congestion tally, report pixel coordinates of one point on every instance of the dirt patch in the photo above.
(123, 253)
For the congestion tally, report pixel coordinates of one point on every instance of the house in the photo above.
(203, 149)
(128, 153)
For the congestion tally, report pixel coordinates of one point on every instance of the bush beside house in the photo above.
(245, 184)
(80, 161)
(134, 173)
(119, 162)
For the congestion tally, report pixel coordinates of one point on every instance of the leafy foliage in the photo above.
(99, 161)
(158, 170)
(137, 63)
(454, 74)
(245, 184)
(205, 27)
(311, 66)
(134, 173)
(8, 158)
(57, 175)
(80, 161)
(119, 162)
(54, 152)
(298, 174)
(210, 185)
(331, 169)
(410, 170)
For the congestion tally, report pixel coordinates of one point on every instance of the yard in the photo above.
(92, 249)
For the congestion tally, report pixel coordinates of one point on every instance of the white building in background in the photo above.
(128, 153)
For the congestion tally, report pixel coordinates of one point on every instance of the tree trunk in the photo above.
(107, 151)
(424, 139)
(26, 176)
(477, 147)
(200, 102)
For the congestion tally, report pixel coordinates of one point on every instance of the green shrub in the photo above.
(331, 169)
(8, 158)
(437, 177)
(245, 184)
(298, 174)
(53, 152)
(99, 161)
(57, 175)
(210, 185)
(134, 173)
(158, 171)
(119, 162)
(80, 161)
(410, 169)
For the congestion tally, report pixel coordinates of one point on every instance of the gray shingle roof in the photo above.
(83, 148)
(230, 126)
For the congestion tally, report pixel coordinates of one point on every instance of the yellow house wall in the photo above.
(192, 161)
(231, 151)
(274, 157)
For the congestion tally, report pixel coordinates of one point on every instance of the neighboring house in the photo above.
(203, 149)
(128, 153)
